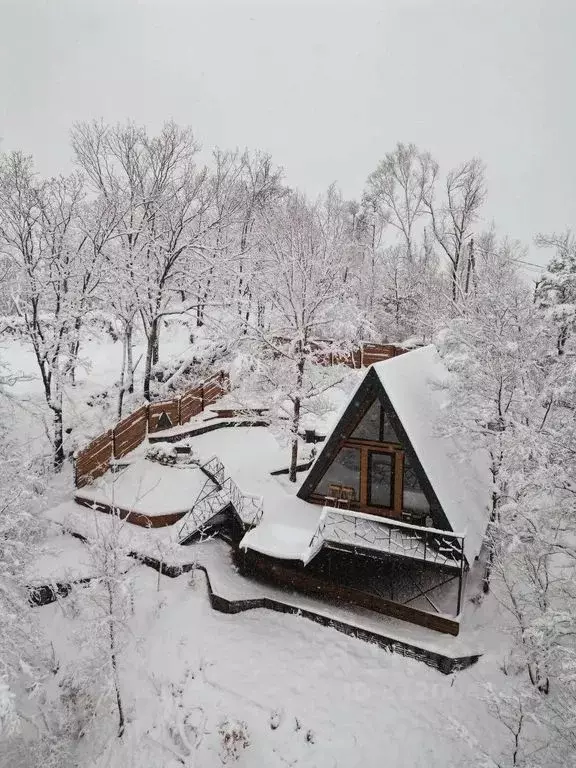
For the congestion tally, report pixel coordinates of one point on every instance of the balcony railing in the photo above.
(338, 526)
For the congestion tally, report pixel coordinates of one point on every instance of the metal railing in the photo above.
(431, 545)
(218, 492)
(215, 470)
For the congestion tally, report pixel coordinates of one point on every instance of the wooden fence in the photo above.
(362, 356)
(94, 460)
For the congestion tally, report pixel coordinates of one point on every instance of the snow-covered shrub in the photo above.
(79, 704)
(7, 713)
(234, 738)
(163, 454)
(189, 458)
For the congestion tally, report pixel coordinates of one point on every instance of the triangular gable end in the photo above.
(164, 422)
(363, 420)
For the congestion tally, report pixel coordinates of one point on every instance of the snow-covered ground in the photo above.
(308, 695)
(249, 454)
(88, 410)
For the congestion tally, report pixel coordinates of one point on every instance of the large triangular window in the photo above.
(371, 471)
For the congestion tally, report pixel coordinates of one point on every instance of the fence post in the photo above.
(179, 409)
(460, 581)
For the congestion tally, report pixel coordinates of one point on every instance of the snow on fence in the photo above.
(94, 460)
(130, 432)
(155, 410)
(362, 356)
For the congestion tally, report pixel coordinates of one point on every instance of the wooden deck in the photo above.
(293, 575)
(130, 515)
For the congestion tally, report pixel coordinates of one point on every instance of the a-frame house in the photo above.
(391, 453)
(397, 504)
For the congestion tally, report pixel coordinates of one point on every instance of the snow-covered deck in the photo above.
(149, 488)
(280, 540)
(289, 541)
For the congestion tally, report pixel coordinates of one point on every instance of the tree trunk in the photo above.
(562, 339)
(260, 319)
(454, 279)
(199, 313)
(127, 370)
(114, 663)
(129, 359)
(470, 267)
(296, 418)
(151, 352)
(494, 518)
(156, 344)
(294, 448)
(122, 380)
(58, 437)
(248, 295)
(73, 351)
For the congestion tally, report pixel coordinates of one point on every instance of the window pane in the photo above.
(389, 435)
(414, 498)
(369, 427)
(380, 479)
(345, 471)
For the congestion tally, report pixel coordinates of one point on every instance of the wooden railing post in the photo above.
(460, 581)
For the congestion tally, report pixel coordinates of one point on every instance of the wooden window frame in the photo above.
(365, 447)
(393, 479)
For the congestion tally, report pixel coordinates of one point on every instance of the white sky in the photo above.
(326, 86)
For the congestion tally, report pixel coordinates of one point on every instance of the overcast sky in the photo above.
(326, 86)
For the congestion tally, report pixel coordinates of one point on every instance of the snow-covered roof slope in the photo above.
(416, 385)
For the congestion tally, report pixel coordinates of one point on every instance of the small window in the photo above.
(388, 433)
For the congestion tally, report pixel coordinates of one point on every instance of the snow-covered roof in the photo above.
(416, 385)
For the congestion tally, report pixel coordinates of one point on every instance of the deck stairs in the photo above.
(219, 496)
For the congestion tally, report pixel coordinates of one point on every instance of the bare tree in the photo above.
(166, 212)
(399, 187)
(300, 280)
(261, 187)
(453, 219)
(39, 231)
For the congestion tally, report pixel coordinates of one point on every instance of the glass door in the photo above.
(381, 479)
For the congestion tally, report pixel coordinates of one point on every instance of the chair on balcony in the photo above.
(333, 497)
(347, 494)
(339, 496)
